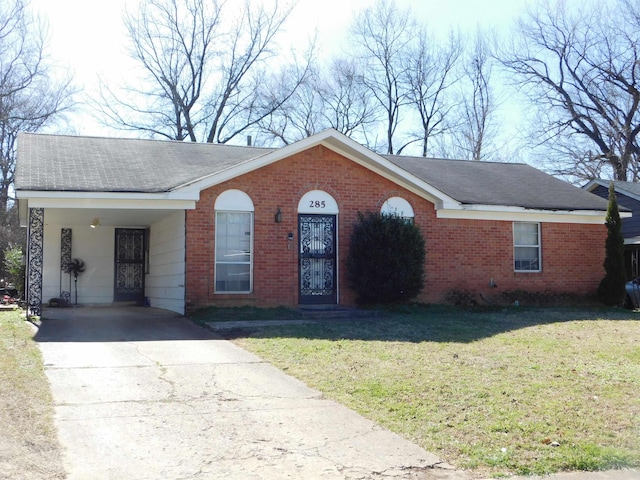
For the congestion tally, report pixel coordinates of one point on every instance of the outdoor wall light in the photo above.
(278, 216)
(95, 223)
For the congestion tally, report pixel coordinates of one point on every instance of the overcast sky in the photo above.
(88, 37)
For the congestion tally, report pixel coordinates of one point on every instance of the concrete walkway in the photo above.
(145, 394)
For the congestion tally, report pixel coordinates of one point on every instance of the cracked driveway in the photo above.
(145, 394)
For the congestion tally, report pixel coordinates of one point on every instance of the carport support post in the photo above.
(35, 254)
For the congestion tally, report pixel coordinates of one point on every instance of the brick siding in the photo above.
(461, 254)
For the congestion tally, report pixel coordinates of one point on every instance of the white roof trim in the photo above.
(492, 212)
(109, 203)
(132, 196)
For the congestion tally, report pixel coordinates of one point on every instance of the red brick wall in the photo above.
(461, 254)
(468, 254)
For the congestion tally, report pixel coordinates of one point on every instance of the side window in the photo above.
(234, 242)
(526, 247)
(398, 207)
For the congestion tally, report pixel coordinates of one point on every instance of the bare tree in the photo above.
(473, 130)
(297, 118)
(335, 97)
(205, 69)
(31, 96)
(348, 104)
(382, 36)
(581, 69)
(430, 72)
(30, 99)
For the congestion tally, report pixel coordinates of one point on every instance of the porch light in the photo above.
(278, 216)
(95, 223)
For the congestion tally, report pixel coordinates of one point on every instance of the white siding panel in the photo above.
(93, 246)
(51, 264)
(166, 278)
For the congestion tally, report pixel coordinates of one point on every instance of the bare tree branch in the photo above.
(581, 70)
(205, 66)
(382, 35)
(472, 125)
(430, 72)
(30, 98)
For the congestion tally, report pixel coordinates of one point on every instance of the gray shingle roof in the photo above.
(490, 183)
(94, 164)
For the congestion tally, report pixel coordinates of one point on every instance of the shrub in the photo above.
(386, 259)
(611, 290)
(14, 267)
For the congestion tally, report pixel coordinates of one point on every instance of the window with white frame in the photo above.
(234, 242)
(526, 247)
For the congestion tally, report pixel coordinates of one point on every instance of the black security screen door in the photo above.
(129, 259)
(317, 234)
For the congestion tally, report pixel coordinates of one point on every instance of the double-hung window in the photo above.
(526, 247)
(234, 243)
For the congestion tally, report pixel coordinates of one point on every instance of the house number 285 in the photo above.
(317, 204)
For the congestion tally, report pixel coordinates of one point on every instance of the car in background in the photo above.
(632, 300)
(9, 296)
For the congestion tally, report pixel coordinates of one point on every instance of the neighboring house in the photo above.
(628, 196)
(184, 225)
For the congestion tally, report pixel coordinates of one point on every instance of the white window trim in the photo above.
(538, 246)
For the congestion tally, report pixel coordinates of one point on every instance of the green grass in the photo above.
(489, 391)
(29, 447)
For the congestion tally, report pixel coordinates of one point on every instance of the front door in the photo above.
(129, 268)
(317, 265)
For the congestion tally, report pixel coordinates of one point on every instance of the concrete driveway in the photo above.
(142, 393)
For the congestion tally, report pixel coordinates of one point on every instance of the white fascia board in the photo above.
(342, 145)
(632, 241)
(518, 214)
(133, 196)
(111, 203)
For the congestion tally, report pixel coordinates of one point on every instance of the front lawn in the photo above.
(29, 447)
(512, 391)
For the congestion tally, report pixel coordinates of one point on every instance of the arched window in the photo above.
(398, 207)
(234, 242)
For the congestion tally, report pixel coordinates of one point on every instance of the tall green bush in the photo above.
(611, 290)
(14, 266)
(386, 259)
